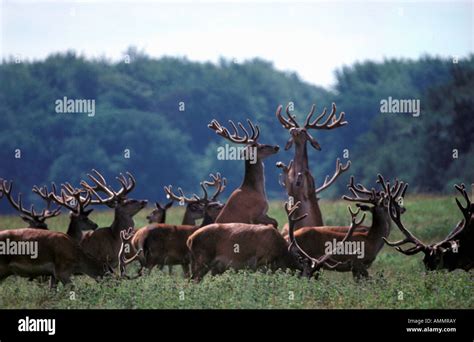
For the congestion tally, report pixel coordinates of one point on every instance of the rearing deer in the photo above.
(248, 203)
(296, 177)
(104, 243)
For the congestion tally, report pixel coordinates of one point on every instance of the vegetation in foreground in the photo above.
(397, 281)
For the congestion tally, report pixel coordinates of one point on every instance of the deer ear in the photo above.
(158, 205)
(289, 143)
(169, 205)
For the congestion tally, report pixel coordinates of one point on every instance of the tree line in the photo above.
(151, 119)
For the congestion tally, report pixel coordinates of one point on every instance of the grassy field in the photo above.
(397, 281)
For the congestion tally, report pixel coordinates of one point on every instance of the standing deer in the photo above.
(366, 242)
(220, 246)
(248, 203)
(296, 177)
(31, 217)
(104, 243)
(455, 251)
(165, 244)
(71, 199)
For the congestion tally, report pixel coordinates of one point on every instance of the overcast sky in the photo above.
(312, 39)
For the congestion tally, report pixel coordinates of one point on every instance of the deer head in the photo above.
(158, 215)
(71, 198)
(34, 219)
(204, 205)
(301, 135)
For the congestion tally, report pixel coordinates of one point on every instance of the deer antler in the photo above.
(125, 236)
(395, 214)
(466, 211)
(218, 182)
(31, 214)
(330, 123)
(70, 197)
(324, 260)
(370, 196)
(181, 198)
(235, 137)
(100, 185)
(339, 170)
(291, 121)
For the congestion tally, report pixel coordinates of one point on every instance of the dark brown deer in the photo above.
(158, 215)
(71, 198)
(366, 242)
(220, 246)
(58, 255)
(165, 244)
(194, 206)
(248, 203)
(104, 243)
(31, 217)
(296, 177)
(456, 251)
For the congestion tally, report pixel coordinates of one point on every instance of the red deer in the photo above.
(455, 251)
(158, 215)
(104, 243)
(71, 199)
(366, 242)
(58, 255)
(248, 203)
(165, 244)
(296, 177)
(31, 217)
(220, 246)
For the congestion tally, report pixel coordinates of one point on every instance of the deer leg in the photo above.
(186, 272)
(170, 270)
(53, 282)
(359, 271)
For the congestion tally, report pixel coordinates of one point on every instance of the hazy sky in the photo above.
(312, 39)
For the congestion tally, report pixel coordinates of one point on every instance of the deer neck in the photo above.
(121, 221)
(301, 156)
(254, 176)
(73, 231)
(206, 220)
(381, 224)
(188, 219)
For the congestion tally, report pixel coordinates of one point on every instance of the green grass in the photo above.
(397, 281)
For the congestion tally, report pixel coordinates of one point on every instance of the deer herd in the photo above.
(238, 234)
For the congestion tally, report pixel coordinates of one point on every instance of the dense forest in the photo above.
(151, 119)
